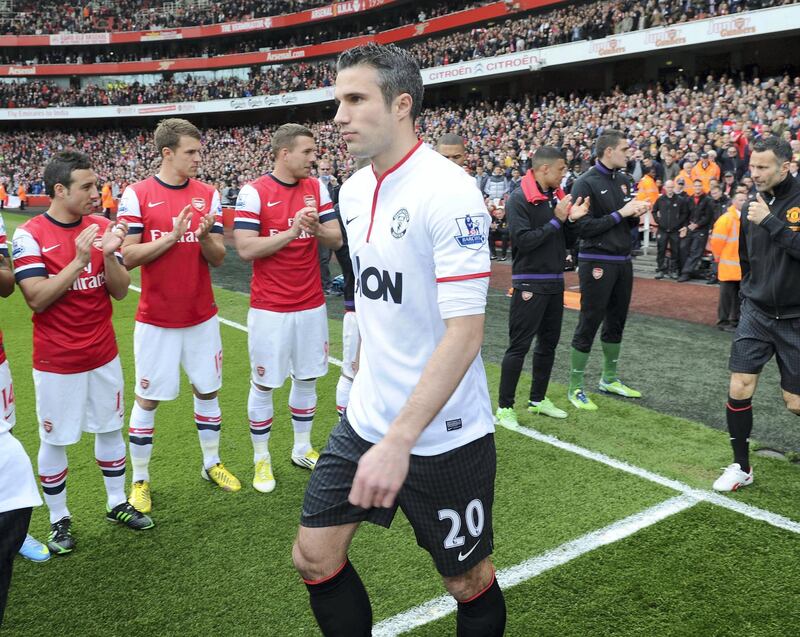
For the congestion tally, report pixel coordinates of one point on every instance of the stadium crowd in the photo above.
(557, 26)
(668, 127)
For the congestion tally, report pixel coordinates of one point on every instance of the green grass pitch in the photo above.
(219, 563)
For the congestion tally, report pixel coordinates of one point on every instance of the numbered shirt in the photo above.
(75, 333)
(418, 243)
(289, 280)
(4, 252)
(176, 287)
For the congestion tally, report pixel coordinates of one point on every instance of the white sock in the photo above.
(303, 405)
(109, 451)
(140, 437)
(343, 388)
(259, 412)
(53, 476)
(208, 418)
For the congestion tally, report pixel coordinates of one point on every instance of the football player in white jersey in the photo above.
(418, 431)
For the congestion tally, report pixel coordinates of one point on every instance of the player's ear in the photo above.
(403, 104)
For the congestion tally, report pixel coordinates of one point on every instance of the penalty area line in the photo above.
(442, 606)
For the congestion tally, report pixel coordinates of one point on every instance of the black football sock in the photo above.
(340, 604)
(740, 423)
(484, 615)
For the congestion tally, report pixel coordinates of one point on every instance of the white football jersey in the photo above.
(418, 242)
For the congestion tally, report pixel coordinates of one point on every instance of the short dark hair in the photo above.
(286, 136)
(781, 148)
(609, 138)
(59, 169)
(450, 139)
(546, 155)
(398, 71)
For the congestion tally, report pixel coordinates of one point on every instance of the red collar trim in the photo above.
(531, 189)
(398, 164)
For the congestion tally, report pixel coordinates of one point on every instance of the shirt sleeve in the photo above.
(248, 210)
(130, 212)
(3, 238)
(216, 208)
(326, 211)
(458, 224)
(27, 256)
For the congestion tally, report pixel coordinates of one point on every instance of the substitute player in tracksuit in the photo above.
(541, 220)
(769, 324)
(605, 269)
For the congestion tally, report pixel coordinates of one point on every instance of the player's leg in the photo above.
(156, 354)
(351, 341)
(662, 266)
(787, 352)
(596, 281)
(613, 327)
(269, 367)
(448, 499)
(309, 361)
(8, 402)
(327, 524)
(13, 528)
(105, 418)
(524, 317)
(544, 354)
(201, 359)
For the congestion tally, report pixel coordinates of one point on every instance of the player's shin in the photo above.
(483, 615)
(53, 475)
(739, 415)
(340, 604)
(140, 437)
(303, 405)
(343, 388)
(208, 418)
(109, 451)
(259, 413)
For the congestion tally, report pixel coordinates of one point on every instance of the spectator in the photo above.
(725, 248)
(696, 232)
(497, 185)
(498, 231)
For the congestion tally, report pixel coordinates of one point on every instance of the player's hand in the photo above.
(206, 223)
(683, 232)
(579, 209)
(83, 244)
(309, 220)
(380, 475)
(758, 210)
(633, 208)
(562, 208)
(113, 237)
(693, 227)
(181, 223)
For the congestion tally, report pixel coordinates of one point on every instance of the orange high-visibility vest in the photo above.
(22, 193)
(724, 243)
(106, 198)
(647, 190)
(705, 174)
(3, 194)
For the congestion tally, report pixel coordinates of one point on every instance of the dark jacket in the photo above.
(700, 212)
(671, 213)
(604, 234)
(769, 254)
(718, 207)
(538, 240)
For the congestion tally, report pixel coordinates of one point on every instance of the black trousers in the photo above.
(498, 235)
(692, 247)
(538, 315)
(672, 240)
(729, 303)
(605, 297)
(324, 269)
(13, 528)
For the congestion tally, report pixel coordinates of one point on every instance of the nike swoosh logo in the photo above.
(50, 248)
(153, 205)
(602, 192)
(461, 557)
(272, 203)
(347, 221)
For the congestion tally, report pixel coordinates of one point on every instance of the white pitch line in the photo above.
(444, 605)
(698, 494)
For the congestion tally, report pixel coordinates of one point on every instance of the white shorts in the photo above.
(160, 352)
(69, 404)
(283, 343)
(7, 402)
(351, 341)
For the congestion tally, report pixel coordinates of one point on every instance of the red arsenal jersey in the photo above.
(75, 333)
(289, 280)
(176, 287)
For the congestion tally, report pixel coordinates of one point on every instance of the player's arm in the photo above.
(39, 289)
(525, 237)
(210, 234)
(744, 257)
(758, 213)
(593, 225)
(6, 275)
(117, 277)
(382, 470)
(247, 228)
(328, 229)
